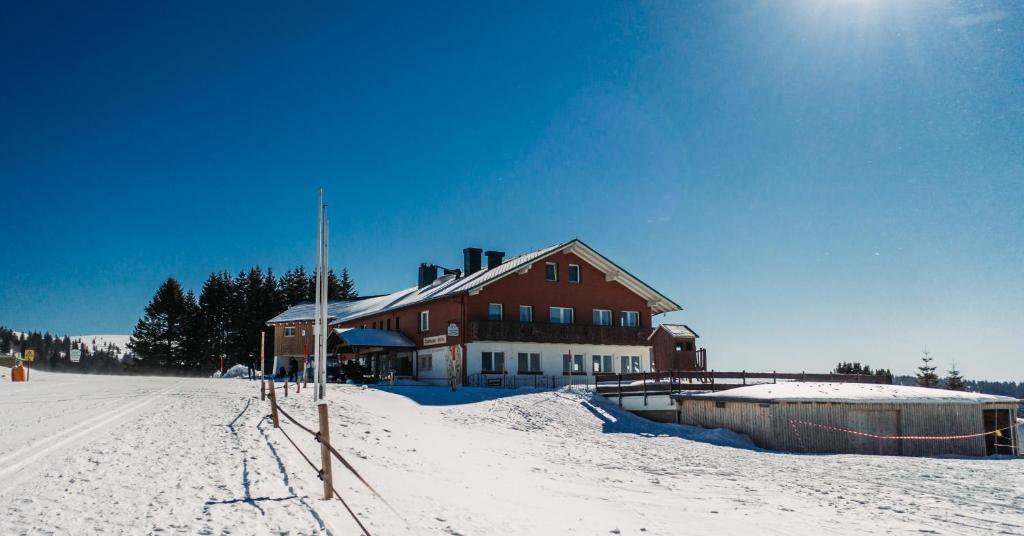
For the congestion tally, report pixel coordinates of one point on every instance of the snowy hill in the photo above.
(95, 343)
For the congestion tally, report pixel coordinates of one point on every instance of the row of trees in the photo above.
(927, 377)
(52, 352)
(846, 367)
(182, 333)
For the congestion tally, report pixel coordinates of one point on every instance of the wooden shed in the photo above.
(674, 347)
(860, 418)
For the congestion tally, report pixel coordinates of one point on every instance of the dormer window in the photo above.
(574, 273)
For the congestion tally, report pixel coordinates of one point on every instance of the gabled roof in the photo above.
(450, 285)
(677, 331)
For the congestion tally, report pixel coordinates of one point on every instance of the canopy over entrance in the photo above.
(365, 341)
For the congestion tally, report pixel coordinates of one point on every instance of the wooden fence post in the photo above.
(325, 453)
(620, 389)
(645, 388)
(273, 407)
(263, 390)
(286, 389)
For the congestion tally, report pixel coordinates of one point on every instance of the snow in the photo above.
(95, 343)
(852, 392)
(237, 371)
(131, 455)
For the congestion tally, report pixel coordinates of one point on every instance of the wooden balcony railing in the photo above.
(506, 330)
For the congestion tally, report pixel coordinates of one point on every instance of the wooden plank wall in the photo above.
(777, 425)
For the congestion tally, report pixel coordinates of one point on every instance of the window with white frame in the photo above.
(526, 313)
(551, 271)
(424, 321)
(561, 315)
(494, 311)
(492, 362)
(426, 362)
(630, 319)
(529, 363)
(601, 363)
(602, 317)
(574, 273)
(574, 362)
(629, 364)
(289, 332)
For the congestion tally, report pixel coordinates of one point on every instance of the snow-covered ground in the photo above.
(89, 454)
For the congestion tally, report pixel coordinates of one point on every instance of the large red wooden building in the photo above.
(561, 311)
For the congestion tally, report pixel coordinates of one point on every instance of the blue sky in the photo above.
(813, 181)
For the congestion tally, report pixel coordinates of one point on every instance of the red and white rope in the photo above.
(794, 422)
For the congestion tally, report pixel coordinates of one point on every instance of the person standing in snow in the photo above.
(293, 370)
(251, 366)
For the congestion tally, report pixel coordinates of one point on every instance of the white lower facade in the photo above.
(522, 358)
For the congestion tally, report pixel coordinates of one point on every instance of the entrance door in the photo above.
(998, 421)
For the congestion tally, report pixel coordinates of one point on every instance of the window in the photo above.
(602, 317)
(602, 363)
(630, 319)
(492, 362)
(397, 326)
(576, 363)
(629, 364)
(424, 321)
(494, 311)
(426, 362)
(574, 273)
(679, 347)
(289, 332)
(526, 313)
(551, 271)
(389, 324)
(529, 363)
(561, 315)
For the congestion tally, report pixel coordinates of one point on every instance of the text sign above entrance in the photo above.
(435, 340)
(453, 330)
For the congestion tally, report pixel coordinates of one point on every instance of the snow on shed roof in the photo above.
(850, 392)
(450, 285)
(678, 331)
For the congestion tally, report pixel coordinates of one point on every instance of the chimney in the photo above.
(428, 273)
(471, 260)
(494, 258)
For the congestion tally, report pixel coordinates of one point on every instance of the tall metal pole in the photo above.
(323, 309)
(317, 356)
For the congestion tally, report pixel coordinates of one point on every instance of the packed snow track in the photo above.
(119, 455)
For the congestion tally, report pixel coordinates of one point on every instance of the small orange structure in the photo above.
(18, 374)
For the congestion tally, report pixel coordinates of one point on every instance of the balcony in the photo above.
(506, 330)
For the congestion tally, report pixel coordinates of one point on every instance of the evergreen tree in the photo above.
(926, 376)
(193, 350)
(954, 380)
(346, 286)
(295, 287)
(215, 313)
(159, 335)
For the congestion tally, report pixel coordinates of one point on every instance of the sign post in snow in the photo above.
(30, 355)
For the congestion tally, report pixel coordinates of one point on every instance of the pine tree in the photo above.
(954, 380)
(347, 287)
(295, 287)
(159, 335)
(926, 376)
(215, 317)
(193, 349)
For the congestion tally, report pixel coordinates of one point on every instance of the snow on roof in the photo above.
(346, 311)
(850, 392)
(678, 331)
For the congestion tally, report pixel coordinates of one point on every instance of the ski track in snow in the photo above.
(117, 455)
